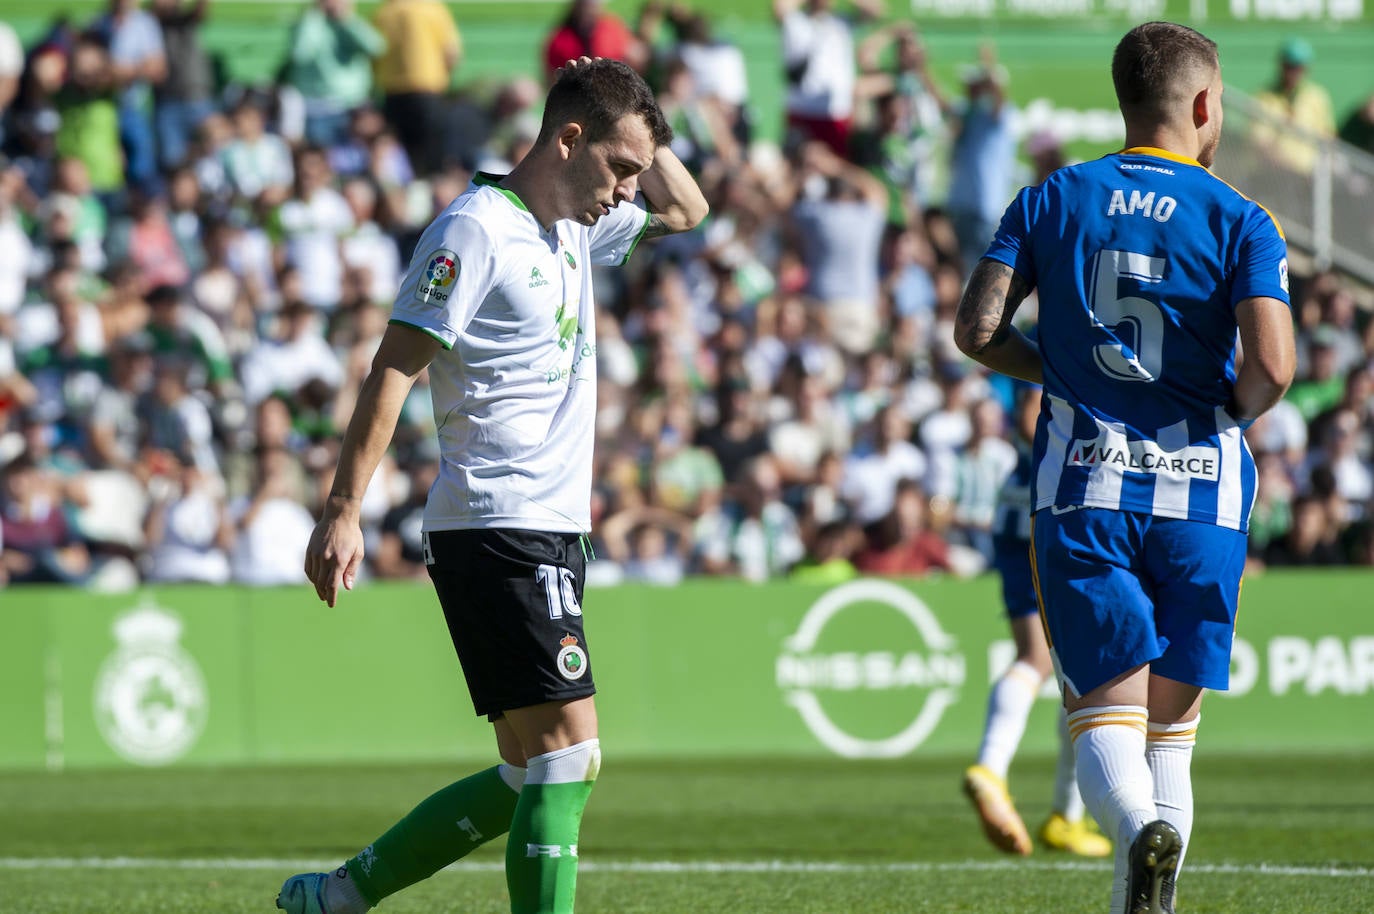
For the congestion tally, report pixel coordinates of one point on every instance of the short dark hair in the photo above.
(1152, 63)
(163, 295)
(597, 95)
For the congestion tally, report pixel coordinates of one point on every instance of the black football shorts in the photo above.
(513, 603)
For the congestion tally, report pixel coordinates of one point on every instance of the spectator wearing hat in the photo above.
(1300, 106)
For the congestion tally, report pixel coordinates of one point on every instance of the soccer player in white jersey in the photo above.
(497, 303)
(1148, 269)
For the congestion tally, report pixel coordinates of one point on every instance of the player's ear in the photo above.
(1201, 112)
(569, 136)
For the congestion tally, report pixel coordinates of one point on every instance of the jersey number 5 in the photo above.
(1128, 316)
(560, 590)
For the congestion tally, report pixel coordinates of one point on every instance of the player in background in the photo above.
(497, 303)
(1148, 268)
(1014, 693)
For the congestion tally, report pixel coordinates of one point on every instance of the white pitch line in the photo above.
(675, 866)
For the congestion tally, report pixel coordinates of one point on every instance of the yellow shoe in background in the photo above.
(1001, 822)
(1080, 837)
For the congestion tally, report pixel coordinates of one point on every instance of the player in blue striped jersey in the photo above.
(1147, 268)
(1015, 691)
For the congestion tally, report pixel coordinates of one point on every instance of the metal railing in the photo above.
(1320, 189)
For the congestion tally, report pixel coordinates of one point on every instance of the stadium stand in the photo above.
(195, 272)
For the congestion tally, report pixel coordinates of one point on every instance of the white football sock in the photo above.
(513, 775)
(341, 895)
(1008, 707)
(1067, 800)
(1169, 753)
(1109, 744)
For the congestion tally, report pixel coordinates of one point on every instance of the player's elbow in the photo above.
(1262, 382)
(1279, 373)
(692, 214)
(972, 340)
(966, 343)
(1271, 370)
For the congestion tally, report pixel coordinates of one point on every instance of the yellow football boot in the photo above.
(1080, 837)
(1001, 823)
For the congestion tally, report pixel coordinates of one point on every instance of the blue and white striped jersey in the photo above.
(1140, 259)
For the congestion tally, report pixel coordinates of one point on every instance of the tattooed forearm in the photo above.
(982, 325)
(993, 294)
(657, 228)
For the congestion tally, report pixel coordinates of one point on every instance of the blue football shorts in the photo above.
(1011, 558)
(1120, 589)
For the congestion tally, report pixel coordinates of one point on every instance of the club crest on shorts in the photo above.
(572, 660)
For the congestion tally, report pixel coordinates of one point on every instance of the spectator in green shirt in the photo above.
(90, 117)
(330, 64)
(1323, 385)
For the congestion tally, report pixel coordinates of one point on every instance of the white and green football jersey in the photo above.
(515, 391)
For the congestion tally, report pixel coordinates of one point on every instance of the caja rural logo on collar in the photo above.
(443, 268)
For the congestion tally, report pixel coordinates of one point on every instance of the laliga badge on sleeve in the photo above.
(436, 281)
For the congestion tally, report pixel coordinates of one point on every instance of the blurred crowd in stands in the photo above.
(194, 276)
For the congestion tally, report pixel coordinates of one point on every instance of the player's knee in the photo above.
(512, 775)
(580, 762)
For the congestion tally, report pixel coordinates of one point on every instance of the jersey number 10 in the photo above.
(560, 589)
(1128, 316)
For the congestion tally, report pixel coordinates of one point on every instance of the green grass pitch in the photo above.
(1276, 835)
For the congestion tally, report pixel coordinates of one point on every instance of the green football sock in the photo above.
(541, 853)
(445, 827)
